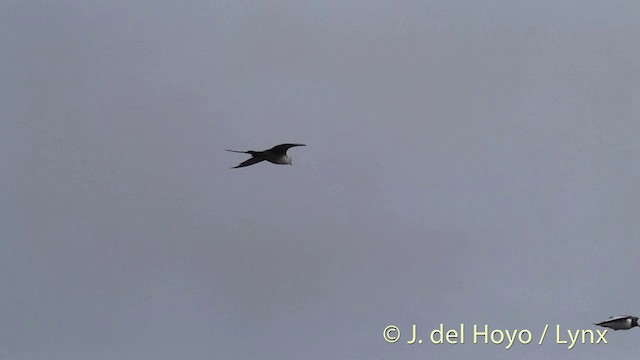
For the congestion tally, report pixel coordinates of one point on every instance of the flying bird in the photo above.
(275, 155)
(621, 322)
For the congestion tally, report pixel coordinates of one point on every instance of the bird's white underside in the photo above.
(283, 160)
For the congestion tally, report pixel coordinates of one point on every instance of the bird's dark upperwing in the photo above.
(253, 160)
(612, 320)
(282, 148)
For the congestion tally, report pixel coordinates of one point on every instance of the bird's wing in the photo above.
(282, 148)
(253, 160)
(612, 319)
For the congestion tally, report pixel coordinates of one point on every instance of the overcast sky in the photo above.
(467, 161)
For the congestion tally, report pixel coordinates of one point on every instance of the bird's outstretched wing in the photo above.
(282, 148)
(253, 160)
(612, 320)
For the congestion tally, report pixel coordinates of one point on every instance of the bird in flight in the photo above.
(275, 155)
(621, 322)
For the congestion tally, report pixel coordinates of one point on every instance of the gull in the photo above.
(275, 155)
(620, 322)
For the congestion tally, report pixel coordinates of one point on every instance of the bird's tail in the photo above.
(236, 151)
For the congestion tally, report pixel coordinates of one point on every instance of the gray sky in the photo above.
(467, 162)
